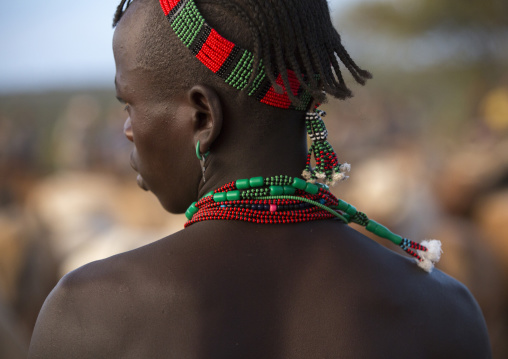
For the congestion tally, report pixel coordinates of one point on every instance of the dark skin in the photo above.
(226, 289)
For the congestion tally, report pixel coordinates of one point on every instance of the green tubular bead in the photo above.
(299, 183)
(233, 196)
(276, 191)
(208, 194)
(383, 232)
(351, 210)
(346, 207)
(242, 184)
(311, 188)
(256, 181)
(289, 190)
(192, 210)
(343, 205)
(220, 197)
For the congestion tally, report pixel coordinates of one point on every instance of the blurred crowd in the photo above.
(429, 155)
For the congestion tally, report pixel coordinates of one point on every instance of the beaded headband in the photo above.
(229, 61)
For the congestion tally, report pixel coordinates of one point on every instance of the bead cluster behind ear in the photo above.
(327, 167)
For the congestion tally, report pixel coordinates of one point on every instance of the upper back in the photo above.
(313, 290)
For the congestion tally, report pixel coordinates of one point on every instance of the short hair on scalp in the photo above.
(286, 34)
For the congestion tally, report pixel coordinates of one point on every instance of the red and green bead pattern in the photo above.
(284, 199)
(327, 166)
(232, 63)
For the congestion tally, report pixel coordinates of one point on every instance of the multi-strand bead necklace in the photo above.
(284, 199)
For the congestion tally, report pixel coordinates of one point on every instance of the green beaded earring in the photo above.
(202, 157)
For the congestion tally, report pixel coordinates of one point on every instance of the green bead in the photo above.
(256, 181)
(276, 191)
(191, 211)
(312, 188)
(383, 232)
(193, 208)
(233, 196)
(243, 184)
(299, 183)
(220, 197)
(208, 194)
(289, 191)
(346, 207)
(343, 205)
(351, 210)
(347, 217)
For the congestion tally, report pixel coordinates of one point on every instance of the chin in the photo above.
(172, 206)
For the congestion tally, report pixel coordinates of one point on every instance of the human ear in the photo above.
(207, 116)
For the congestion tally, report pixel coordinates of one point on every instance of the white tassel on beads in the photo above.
(345, 167)
(431, 255)
(306, 174)
(337, 177)
(320, 175)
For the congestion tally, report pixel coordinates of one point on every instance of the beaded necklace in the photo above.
(284, 199)
(230, 62)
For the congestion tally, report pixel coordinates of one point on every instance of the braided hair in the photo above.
(296, 35)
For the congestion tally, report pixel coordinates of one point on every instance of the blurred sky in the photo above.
(59, 43)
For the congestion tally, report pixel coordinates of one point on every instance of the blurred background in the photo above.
(427, 139)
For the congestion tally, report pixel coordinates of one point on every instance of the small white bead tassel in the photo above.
(431, 255)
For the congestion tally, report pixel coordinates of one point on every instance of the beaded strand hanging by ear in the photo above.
(327, 167)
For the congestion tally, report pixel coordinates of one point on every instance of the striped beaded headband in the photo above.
(229, 61)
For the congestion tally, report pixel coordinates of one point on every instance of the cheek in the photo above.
(149, 134)
(163, 150)
(166, 159)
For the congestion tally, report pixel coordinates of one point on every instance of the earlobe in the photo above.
(207, 117)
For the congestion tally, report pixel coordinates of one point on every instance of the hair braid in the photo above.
(339, 85)
(361, 75)
(291, 48)
(265, 45)
(120, 10)
(300, 49)
(277, 48)
(321, 63)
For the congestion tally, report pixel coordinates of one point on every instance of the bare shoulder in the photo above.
(399, 306)
(434, 308)
(458, 324)
(80, 314)
(93, 309)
